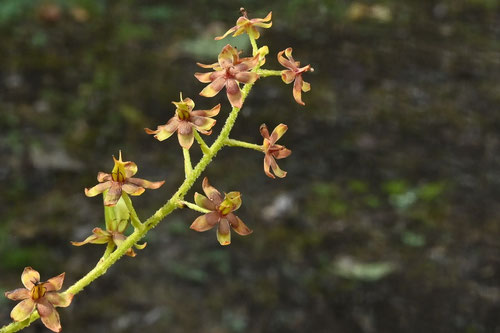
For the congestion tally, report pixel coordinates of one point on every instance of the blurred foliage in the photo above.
(386, 222)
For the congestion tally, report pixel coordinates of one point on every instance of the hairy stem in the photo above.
(194, 206)
(242, 144)
(268, 72)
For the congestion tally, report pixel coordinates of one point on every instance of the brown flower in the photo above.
(243, 24)
(40, 295)
(294, 73)
(120, 180)
(184, 121)
(229, 70)
(274, 151)
(221, 212)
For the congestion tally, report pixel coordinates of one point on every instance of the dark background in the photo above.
(388, 220)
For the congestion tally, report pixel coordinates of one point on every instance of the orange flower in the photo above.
(229, 70)
(243, 24)
(221, 213)
(40, 295)
(274, 151)
(185, 121)
(120, 179)
(294, 73)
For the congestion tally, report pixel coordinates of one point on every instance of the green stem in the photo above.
(151, 222)
(109, 249)
(255, 48)
(194, 206)
(201, 142)
(136, 222)
(243, 144)
(268, 72)
(188, 167)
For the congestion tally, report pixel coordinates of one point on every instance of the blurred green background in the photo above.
(388, 220)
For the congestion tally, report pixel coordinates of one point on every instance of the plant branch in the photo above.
(194, 206)
(242, 144)
(151, 222)
(187, 162)
(268, 72)
(201, 142)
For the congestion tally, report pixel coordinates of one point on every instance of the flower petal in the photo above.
(264, 25)
(246, 77)
(203, 201)
(18, 294)
(61, 300)
(211, 192)
(98, 189)
(145, 183)
(205, 222)
(185, 134)
(246, 64)
(232, 201)
(22, 310)
(297, 89)
(267, 165)
(238, 225)
(207, 113)
(202, 124)
(264, 131)
(132, 189)
(113, 195)
(213, 88)
(288, 76)
(55, 283)
(234, 93)
(165, 131)
(223, 232)
(306, 86)
(30, 277)
(130, 169)
(253, 32)
(282, 153)
(227, 33)
(49, 315)
(103, 177)
(98, 236)
(277, 133)
(285, 62)
(227, 55)
(276, 169)
(215, 65)
(203, 77)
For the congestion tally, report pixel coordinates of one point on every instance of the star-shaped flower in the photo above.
(222, 209)
(185, 122)
(243, 24)
(40, 295)
(274, 151)
(229, 70)
(294, 73)
(120, 179)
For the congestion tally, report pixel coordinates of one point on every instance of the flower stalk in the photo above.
(243, 144)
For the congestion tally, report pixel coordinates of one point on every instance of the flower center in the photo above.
(183, 114)
(118, 173)
(38, 291)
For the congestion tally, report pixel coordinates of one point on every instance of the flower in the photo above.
(184, 121)
(42, 295)
(116, 224)
(243, 24)
(274, 151)
(221, 213)
(229, 70)
(120, 180)
(109, 236)
(294, 73)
